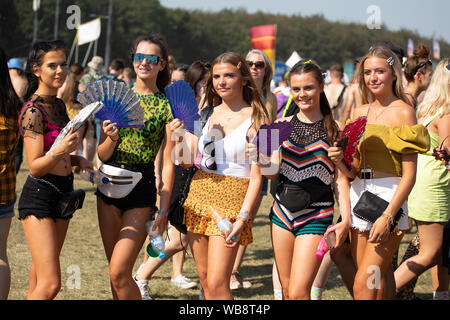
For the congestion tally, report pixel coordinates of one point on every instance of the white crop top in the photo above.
(230, 156)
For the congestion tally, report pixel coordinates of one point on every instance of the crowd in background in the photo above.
(406, 101)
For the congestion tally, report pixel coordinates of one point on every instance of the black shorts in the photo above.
(143, 194)
(40, 199)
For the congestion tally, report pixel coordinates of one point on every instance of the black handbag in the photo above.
(370, 207)
(293, 197)
(70, 202)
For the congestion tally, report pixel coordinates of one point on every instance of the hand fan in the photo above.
(352, 134)
(270, 137)
(182, 103)
(120, 103)
(77, 121)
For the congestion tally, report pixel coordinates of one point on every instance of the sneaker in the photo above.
(237, 282)
(143, 288)
(183, 282)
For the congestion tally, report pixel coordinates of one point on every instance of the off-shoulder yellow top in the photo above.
(384, 146)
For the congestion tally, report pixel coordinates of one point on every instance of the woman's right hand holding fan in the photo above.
(111, 130)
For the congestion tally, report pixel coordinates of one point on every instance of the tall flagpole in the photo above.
(55, 30)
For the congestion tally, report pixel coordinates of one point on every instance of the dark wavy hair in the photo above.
(163, 78)
(36, 57)
(309, 66)
(9, 101)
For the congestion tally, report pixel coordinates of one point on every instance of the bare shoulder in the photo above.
(403, 114)
(360, 111)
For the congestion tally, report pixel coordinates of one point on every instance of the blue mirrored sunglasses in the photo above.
(150, 58)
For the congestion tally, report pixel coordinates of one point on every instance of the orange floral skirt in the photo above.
(225, 194)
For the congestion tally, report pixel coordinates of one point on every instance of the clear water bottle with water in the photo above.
(93, 176)
(156, 246)
(223, 224)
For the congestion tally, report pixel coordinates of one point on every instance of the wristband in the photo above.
(53, 156)
(244, 215)
(389, 217)
(161, 212)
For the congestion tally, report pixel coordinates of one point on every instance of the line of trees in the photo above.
(194, 35)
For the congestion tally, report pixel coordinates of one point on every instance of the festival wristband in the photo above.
(244, 215)
(161, 212)
(53, 156)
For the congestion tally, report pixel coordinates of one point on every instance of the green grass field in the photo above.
(83, 258)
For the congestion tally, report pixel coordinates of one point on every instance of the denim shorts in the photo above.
(7, 210)
(40, 199)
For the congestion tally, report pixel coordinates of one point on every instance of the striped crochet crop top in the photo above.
(304, 158)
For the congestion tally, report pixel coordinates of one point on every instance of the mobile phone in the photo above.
(366, 174)
(331, 240)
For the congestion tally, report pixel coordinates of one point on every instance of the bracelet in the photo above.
(53, 156)
(161, 212)
(244, 215)
(157, 176)
(113, 139)
(388, 217)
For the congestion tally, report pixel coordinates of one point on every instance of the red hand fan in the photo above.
(353, 133)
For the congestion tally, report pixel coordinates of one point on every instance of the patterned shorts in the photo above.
(225, 194)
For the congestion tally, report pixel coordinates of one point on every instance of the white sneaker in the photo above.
(143, 288)
(182, 282)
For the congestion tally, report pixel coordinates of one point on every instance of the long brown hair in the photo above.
(250, 91)
(68, 95)
(312, 67)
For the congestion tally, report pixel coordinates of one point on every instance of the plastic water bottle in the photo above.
(223, 224)
(93, 176)
(156, 246)
(323, 247)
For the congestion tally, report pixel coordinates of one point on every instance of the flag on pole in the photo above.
(410, 47)
(263, 38)
(436, 50)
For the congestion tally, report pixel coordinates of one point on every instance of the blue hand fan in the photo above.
(182, 103)
(120, 103)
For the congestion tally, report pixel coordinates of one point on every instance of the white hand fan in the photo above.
(120, 103)
(77, 121)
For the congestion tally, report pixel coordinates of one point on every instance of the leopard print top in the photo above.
(141, 146)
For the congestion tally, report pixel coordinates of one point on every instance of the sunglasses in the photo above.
(420, 65)
(210, 152)
(50, 45)
(150, 58)
(258, 64)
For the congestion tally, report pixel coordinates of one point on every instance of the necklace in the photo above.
(377, 115)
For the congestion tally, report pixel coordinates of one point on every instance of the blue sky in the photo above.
(428, 18)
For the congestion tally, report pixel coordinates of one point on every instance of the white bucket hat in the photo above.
(96, 63)
(121, 181)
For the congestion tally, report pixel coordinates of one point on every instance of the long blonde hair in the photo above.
(438, 93)
(250, 91)
(396, 67)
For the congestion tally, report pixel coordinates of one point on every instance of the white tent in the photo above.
(293, 59)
